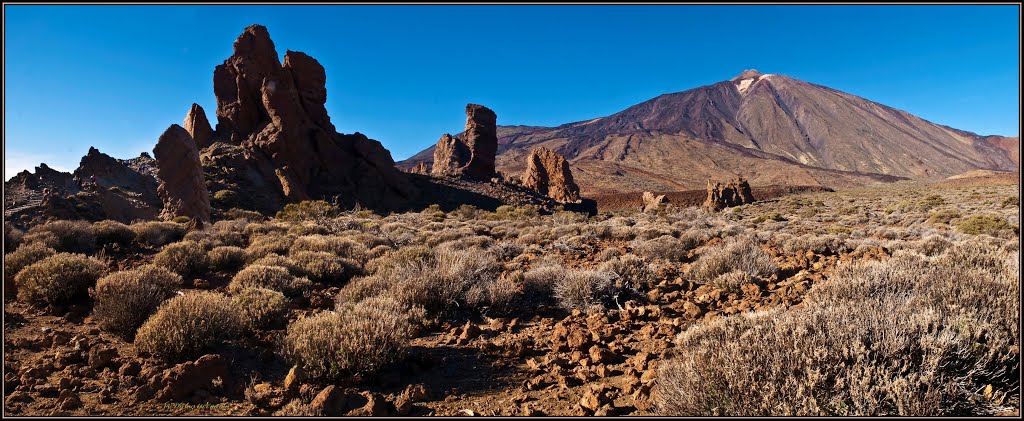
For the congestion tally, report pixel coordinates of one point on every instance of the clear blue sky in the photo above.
(115, 77)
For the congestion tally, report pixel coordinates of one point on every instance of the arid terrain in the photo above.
(877, 301)
(759, 246)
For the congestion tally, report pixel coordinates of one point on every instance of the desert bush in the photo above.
(507, 250)
(943, 216)
(70, 236)
(185, 258)
(586, 290)
(357, 338)
(732, 281)
(1010, 201)
(226, 258)
(58, 279)
(268, 244)
(770, 216)
(308, 210)
(190, 325)
(225, 199)
(336, 245)
(125, 299)
(271, 277)
(911, 336)
(498, 295)
(665, 247)
(320, 266)
(930, 202)
(12, 237)
(263, 308)
(985, 224)
(112, 232)
(632, 272)
(157, 234)
(278, 260)
(25, 255)
(738, 253)
(181, 219)
(248, 215)
(542, 278)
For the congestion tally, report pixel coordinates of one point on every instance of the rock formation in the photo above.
(198, 126)
(182, 187)
(548, 173)
(736, 192)
(469, 154)
(652, 202)
(287, 147)
(420, 168)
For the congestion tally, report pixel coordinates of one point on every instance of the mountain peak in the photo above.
(747, 74)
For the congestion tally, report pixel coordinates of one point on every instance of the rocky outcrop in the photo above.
(420, 168)
(275, 113)
(548, 173)
(182, 187)
(198, 126)
(652, 202)
(469, 154)
(736, 192)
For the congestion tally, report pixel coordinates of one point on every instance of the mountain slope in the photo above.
(771, 129)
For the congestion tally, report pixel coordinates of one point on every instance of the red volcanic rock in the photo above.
(275, 113)
(735, 193)
(182, 187)
(653, 202)
(548, 173)
(198, 126)
(470, 154)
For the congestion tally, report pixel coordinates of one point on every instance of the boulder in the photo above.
(470, 154)
(198, 126)
(183, 380)
(182, 186)
(548, 173)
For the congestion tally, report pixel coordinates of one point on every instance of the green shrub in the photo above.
(113, 232)
(185, 258)
(190, 325)
(225, 199)
(943, 216)
(985, 224)
(124, 300)
(70, 236)
(360, 338)
(58, 279)
(308, 210)
(226, 258)
(263, 308)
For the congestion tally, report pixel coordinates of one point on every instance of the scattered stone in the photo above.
(183, 380)
(295, 376)
(100, 357)
(330, 402)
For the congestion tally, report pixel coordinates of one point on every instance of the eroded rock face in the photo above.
(653, 202)
(198, 126)
(736, 192)
(470, 154)
(275, 112)
(182, 187)
(548, 173)
(420, 168)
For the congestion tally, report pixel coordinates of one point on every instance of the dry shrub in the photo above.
(190, 325)
(156, 233)
(321, 266)
(497, 296)
(316, 210)
(271, 277)
(69, 236)
(910, 336)
(125, 299)
(632, 272)
(732, 281)
(248, 215)
(738, 253)
(12, 237)
(357, 338)
(268, 244)
(263, 308)
(25, 255)
(226, 258)
(278, 260)
(58, 279)
(185, 258)
(113, 232)
(586, 290)
(664, 247)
